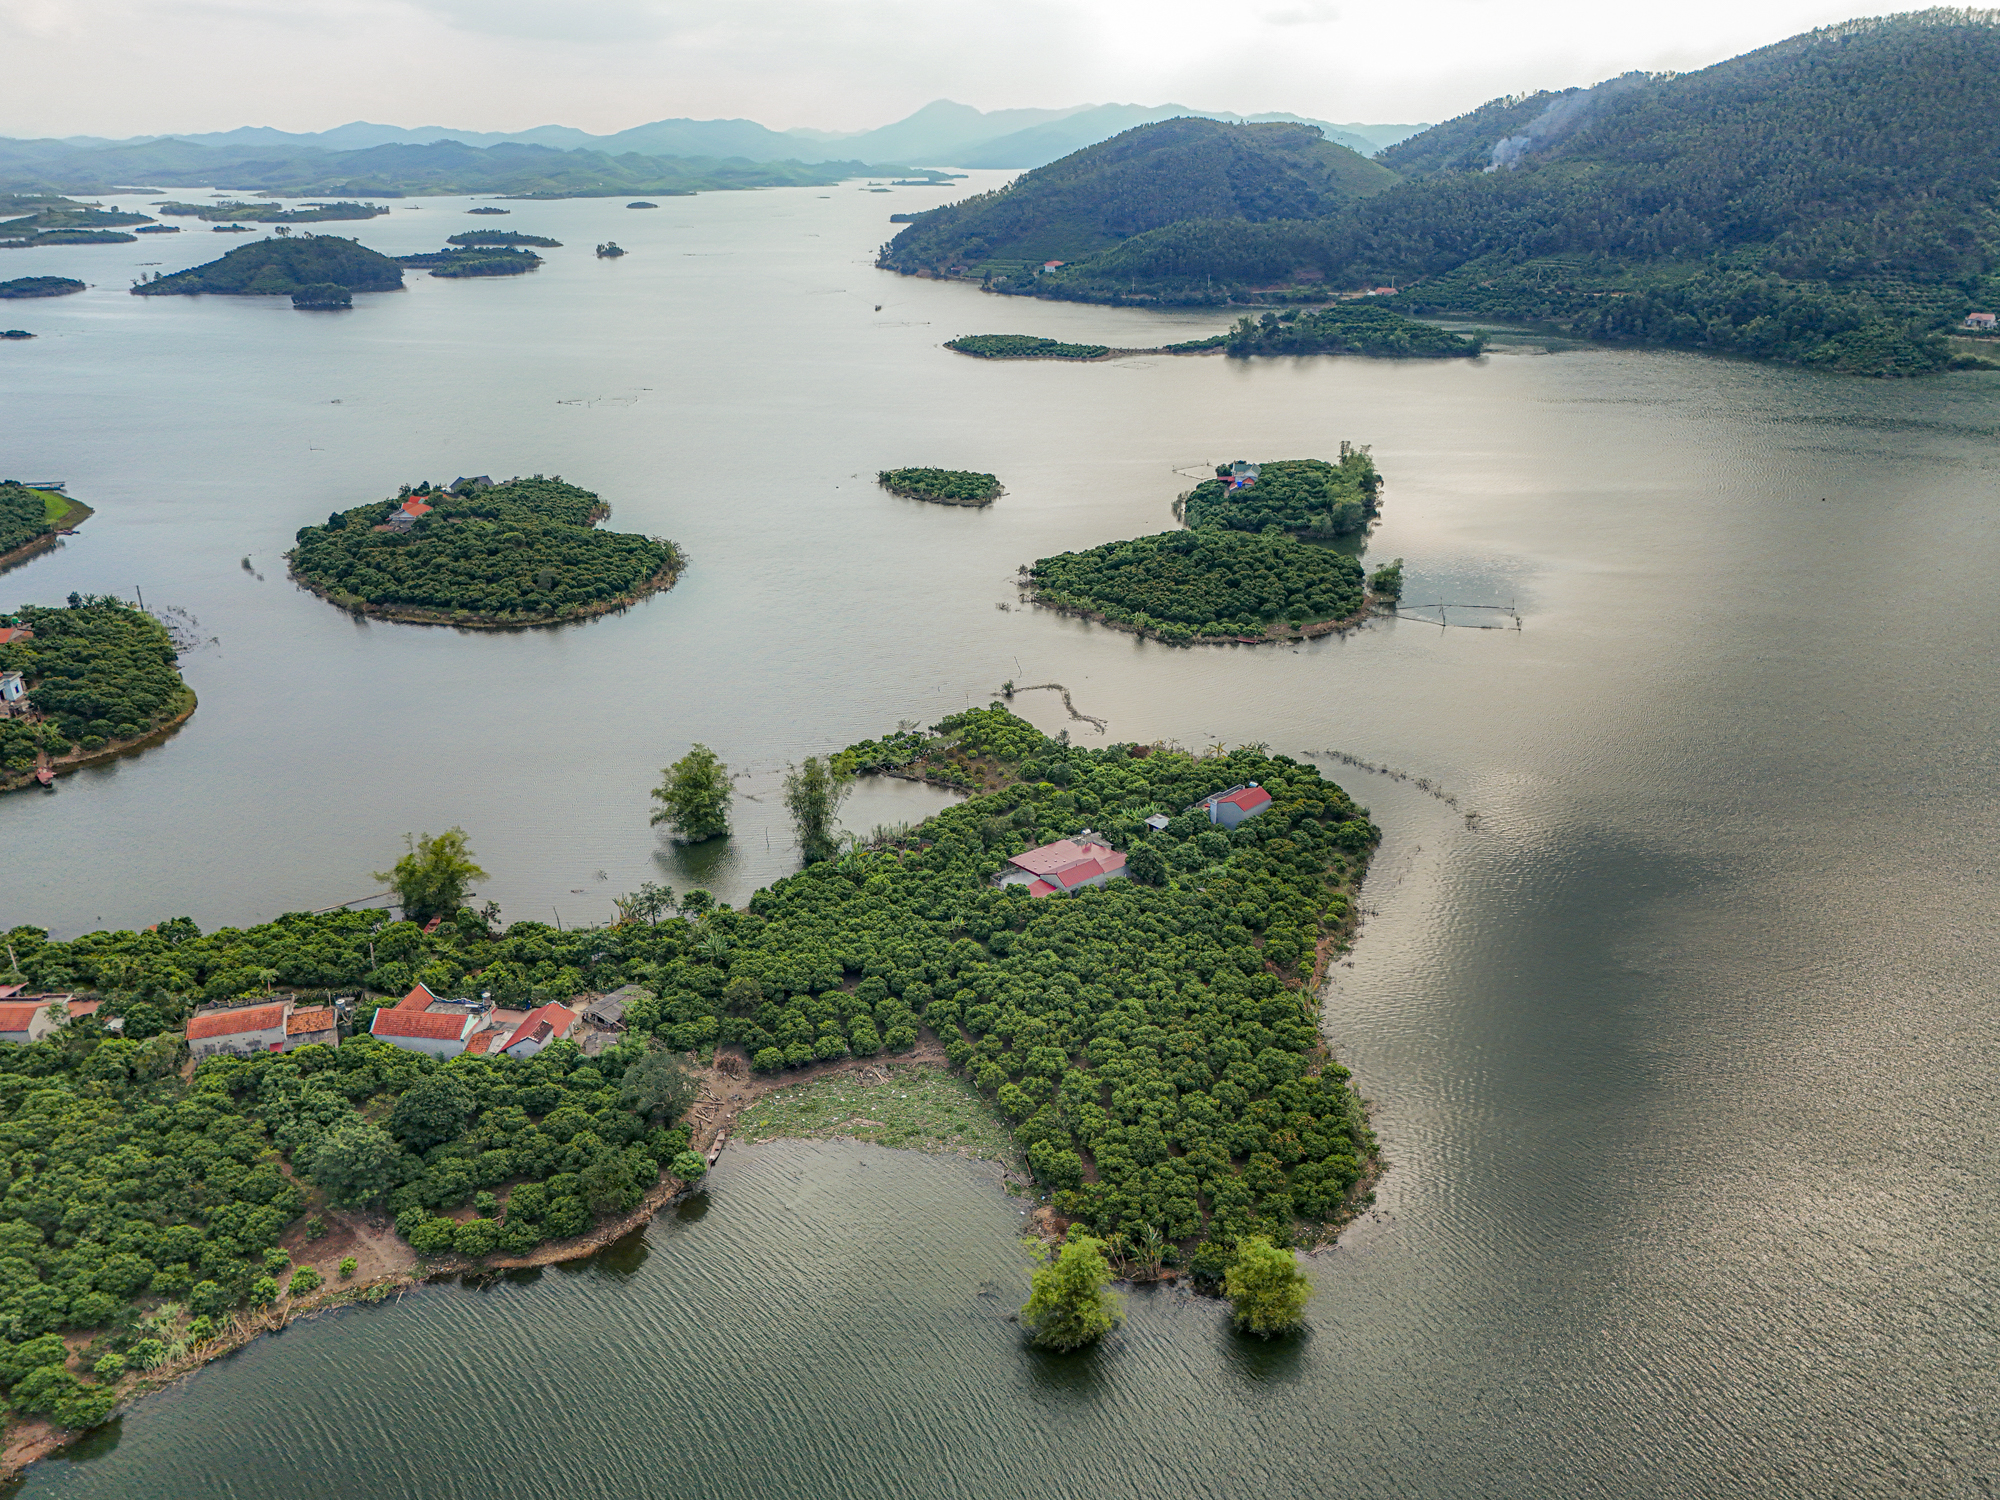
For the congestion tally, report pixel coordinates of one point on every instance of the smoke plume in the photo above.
(1562, 119)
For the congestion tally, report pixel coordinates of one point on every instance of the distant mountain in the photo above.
(942, 133)
(1157, 174)
(1829, 200)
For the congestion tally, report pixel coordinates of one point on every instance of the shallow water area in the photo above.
(1681, 1050)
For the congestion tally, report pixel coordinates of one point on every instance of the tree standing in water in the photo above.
(1067, 1306)
(430, 879)
(694, 796)
(1267, 1290)
(814, 793)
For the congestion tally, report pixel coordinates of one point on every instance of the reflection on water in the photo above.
(1678, 1055)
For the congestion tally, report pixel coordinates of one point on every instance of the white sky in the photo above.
(131, 67)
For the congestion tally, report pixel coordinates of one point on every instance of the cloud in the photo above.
(1312, 13)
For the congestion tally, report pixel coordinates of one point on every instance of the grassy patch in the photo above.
(919, 1109)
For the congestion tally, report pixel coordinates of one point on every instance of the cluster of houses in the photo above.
(1068, 865)
(419, 1022)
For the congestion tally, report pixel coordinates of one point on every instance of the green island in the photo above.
(40, 286)
(1023, 346)
(1746, 208)
(1149, 1046)
(944, 486)
(1353, 327)
(525, 552)
(271, 213)
(53, 220)
(475, 260)
(1251, 567)
(503, 237)
(31, 520)
(100, 677)
(281, 267)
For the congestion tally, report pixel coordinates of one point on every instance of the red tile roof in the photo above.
(416, 507)
(11, 633)
(1043, 888)
(304, 1022)
(1250, 799)
(419, 998)
(483, 1043)
(1066, 864)
(439, 1026)
(18, 1018)
(559, 1019)
(236, 1022)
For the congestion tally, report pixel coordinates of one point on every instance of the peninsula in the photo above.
(942, 486)
(478, 554)
(32, 520)
(83, 684)
(1143, 1021)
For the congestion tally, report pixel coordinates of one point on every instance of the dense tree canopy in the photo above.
(1304, 496)
(945, 486)
(475, 260)
(279, 267)
(1023, 346)
(1155, 1045)
(98, 671)
(1068, 1306)
(39, 286)
(524, 552)
(24, 515)
(694, 796)
(1348, 328)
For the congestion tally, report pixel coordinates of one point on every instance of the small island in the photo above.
(82, 684)
(489, 209)
(271, 213)
(642, 205)
(504, 237)
(280, 267)
(1023, 346)
(15, 333)
(1251, 568)
(941, 486)
(32, 519)
(610, 250)
(482, 555)
(477, 259)
(323, 295)
(40, 286)
(1353, 327)
(62, 221)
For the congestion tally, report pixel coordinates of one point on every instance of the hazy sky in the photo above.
(128, 67)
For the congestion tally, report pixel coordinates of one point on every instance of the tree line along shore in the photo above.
(1150, 1042)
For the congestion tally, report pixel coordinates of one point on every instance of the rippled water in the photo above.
(1682, 1056)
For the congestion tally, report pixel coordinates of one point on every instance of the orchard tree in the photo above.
(1267, 1290)
(356, 1162)
(694, 795)
(1067, 1306)
(658, 1087)
(430, 879)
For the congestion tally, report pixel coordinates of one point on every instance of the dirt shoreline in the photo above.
(76, 760)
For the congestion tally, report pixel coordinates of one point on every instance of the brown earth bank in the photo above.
(659, 583)
(76, 760)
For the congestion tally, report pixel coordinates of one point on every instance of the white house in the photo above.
(12, 688)
(239, 1032)
(25, 1021)
(543, 1025)
(1064, 866)
(1233, 806)
(1980, 320)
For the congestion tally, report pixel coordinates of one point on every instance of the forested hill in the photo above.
(1828, 200)
(1148, 177)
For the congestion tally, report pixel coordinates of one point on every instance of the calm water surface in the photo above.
(1683, 1055)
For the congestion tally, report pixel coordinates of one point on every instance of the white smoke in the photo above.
(1563, 117)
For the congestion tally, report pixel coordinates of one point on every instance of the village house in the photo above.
(316, 1027)
(542, 1026)
(1064, 866)
(239, 1031)
(25, 1021)
(12, 687)
(1233, 806)
(1983, 321)
(415, 1026)
(12, 634)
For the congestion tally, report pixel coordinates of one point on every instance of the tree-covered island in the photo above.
(100, 678)
(478, 259)
(272, 213)
(1023, 346)
(281, 267)
(503, 237)
(1252, 566)
(31, 520)
(943, 486)
(526, 552)
(40, 286)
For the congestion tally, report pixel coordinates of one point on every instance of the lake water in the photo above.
(1682, 1053)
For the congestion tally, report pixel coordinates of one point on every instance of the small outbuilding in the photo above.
(1233, 806)
(239, 1031)
(319, 1026)
(12, 687)
(542, 1026)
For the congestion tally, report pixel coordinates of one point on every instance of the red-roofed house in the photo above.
(25, 1021)
(306, 1028)
(543, 1025)
(419, 998)
(433, 1033)
(1233, 806)
(1065, 865)
(415, 507)
(239, 1031)
(12, 633)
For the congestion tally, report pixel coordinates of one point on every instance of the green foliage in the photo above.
(1267, 1291)
(813, 794)
(305, 1279)
(271, 213)
(23, 515)
(1304, 496)
(523, 552)
(347, 1267)
(503, 237)
(280, 267)
(1156, 174)
(431, 878)
(475, 260)
(100, 670)
(688, 1165)
(323, 294)
(39, 286)
(1349, 328)
(1068, 1306)
(946, 486)
(657, 1087)
(1023, 346)
(694, 796)
(1387, 581)
(1182, 586)
(355, 1163)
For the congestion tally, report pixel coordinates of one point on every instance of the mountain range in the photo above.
(941, 134)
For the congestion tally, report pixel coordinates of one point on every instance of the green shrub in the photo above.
(347, 1267)
(688, 1165)
(305, 1279)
